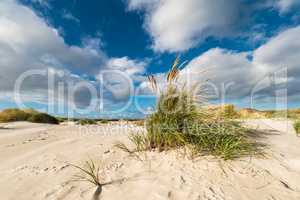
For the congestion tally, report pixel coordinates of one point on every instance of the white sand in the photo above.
(34, 165)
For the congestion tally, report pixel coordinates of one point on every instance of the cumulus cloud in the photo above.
(260, 68)
(223, 67)
(261, 72)
(176, 25)
(282, 6)
(25, 36)
(134, 68)
(282, 51)
(27, 42)
(120, 76)
(286, 5)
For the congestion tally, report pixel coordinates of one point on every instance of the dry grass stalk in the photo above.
(90, 172)
(179, 122)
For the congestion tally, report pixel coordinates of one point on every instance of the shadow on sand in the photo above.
(4, 128)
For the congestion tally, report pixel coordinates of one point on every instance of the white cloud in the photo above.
(133, 68)
(286, 5)
(27, 42)
(244, 72)
(282, 6)
(141, 4)
(177, 25)
(69, 16)
(43, 3)
(221, 66)
(280, 51)
(121, 76)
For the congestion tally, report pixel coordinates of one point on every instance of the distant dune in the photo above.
(30, 115)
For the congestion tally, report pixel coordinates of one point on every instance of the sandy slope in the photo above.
(34, 165)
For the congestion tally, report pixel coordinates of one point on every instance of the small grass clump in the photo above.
(178, 122)
(30, 115)
(84, 122)
(297, 126)
(140, 123)
(91, 173)
(229, 112)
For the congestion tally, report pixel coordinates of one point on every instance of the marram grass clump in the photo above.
(93, 173)
(297, 127)
(84, 122)
(179, 122)
(228, 111)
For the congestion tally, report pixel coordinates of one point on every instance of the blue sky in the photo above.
(251, 48)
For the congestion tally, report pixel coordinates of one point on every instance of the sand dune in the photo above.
(35, 165)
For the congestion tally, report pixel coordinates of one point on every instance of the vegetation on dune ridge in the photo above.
(179, 122)
(84, 122)
(227, 111)
(230, 112)
(253, 113)
(30, 115)
(43, 118)
(11, 115)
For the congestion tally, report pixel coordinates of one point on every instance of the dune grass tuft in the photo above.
(297, 126)
(90, 172)
(179, 122)
(84, 122)
(229, 112)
